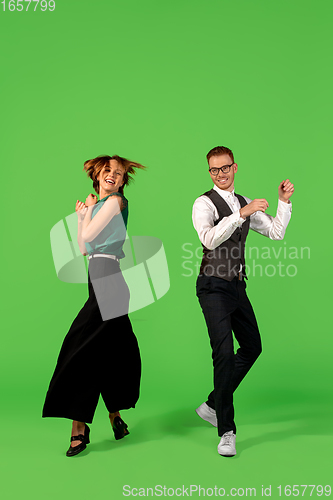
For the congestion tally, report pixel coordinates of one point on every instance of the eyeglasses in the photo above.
(225, 169)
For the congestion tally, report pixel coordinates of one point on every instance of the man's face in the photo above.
(223, 180)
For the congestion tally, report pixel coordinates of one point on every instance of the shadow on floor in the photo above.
(302, 415)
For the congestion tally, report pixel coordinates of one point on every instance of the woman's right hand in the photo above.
(80, 209)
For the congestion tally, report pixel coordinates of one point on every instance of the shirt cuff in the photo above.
(238, 220)
(286, 207)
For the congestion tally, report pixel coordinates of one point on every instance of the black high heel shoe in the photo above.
(84, 438)
(119, 427)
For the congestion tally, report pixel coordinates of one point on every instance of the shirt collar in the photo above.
(225, 194)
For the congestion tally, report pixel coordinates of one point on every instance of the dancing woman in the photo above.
(100, 353)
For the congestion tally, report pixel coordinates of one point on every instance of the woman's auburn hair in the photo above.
(93, 168)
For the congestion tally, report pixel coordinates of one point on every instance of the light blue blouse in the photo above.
(111, 239)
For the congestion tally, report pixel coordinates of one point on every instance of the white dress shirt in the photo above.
(204, 214)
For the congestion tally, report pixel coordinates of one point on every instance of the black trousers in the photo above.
(97, 357)
(227, 309)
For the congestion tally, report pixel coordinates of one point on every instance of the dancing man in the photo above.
(222, 220)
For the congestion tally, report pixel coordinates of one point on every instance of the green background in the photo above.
(162, 83)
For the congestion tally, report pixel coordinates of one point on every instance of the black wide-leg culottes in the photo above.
(97, 357)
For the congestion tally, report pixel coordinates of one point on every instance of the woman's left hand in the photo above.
(91, 200)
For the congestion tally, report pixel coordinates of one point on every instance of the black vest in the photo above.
(224, 261)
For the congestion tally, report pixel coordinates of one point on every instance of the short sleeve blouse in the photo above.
(111, 239)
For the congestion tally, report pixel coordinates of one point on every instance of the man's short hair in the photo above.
(220, 150)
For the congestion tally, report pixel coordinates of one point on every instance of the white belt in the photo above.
(104, 255)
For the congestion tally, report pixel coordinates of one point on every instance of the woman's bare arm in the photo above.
(80, 241)
(81, 211)
(91, 227)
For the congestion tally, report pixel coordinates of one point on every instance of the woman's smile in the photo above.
(110, 181)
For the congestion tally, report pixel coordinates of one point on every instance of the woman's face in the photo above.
(111, 177)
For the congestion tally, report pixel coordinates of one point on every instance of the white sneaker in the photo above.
(207, 413)
(227, 445)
